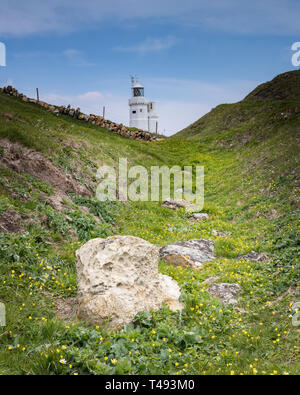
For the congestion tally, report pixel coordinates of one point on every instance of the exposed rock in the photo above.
(176, 204)
(192, 253)
(199, 217)
(254, 256)
(220, 233)
(11, 222)
(118, 277)
(226, 292)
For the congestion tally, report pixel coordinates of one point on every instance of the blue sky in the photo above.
(191, 56)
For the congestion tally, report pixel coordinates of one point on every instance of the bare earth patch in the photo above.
(11, 222)
(26, 160)
(65, 308)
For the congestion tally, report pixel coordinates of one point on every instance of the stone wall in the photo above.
(77, 114)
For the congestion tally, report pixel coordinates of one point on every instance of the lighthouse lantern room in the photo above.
(141, 111)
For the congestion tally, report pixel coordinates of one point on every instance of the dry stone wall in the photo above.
(97, 120)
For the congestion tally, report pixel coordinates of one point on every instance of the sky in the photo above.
(190, 55)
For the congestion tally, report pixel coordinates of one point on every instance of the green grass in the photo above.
(250, 156)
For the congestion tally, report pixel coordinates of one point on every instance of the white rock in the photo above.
(118, 277)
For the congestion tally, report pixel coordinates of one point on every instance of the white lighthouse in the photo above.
(141, 111)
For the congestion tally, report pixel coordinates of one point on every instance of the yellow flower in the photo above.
(114, 361)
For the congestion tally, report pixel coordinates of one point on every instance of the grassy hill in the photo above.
(264, 111)
(250, 152)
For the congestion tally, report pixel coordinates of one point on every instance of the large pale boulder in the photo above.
(118, 277)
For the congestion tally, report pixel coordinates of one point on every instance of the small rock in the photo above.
(240, 310)
(176, 204)
(254, 256)
(220, 233)
(199, 217)
(192, 253)
(226, 292)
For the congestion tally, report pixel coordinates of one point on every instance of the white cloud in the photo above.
(192, 99)
(77, 58)
(150, 45)
(18, 17)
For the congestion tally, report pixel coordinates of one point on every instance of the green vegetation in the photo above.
(250, 152)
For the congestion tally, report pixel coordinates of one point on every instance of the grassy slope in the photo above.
(251, 187)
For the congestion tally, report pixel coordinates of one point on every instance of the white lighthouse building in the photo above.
(141, 111)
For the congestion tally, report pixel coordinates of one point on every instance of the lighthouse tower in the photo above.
(141, 111)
